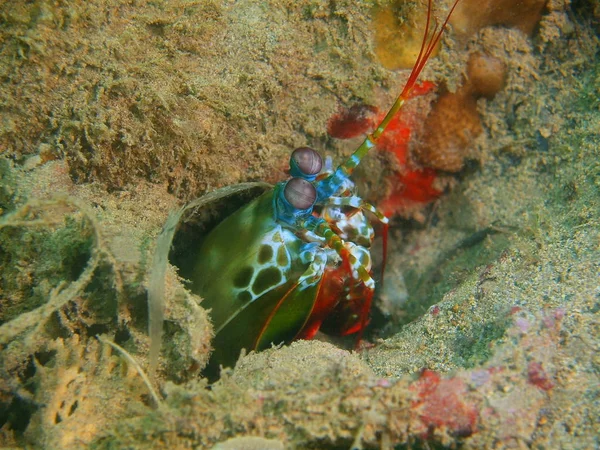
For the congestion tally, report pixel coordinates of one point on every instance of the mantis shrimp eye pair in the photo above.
(305, 165)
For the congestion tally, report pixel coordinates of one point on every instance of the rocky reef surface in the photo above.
(115, 114)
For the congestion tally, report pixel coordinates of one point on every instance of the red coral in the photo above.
(441, 403)
(348, 123)
(434, 310)
(409, 185)
(538, 376)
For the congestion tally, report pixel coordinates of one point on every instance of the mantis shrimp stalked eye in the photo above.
(300, 194)
(306, 163)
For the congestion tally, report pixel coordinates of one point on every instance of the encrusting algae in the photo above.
(113, 113)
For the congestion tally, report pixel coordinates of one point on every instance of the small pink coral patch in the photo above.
(538, 376)
(551, 319)
(441, 404)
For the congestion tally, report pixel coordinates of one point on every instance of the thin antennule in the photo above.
(420, 62)
(429, 43)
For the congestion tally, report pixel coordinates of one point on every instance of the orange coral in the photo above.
(451, 126)
(454, 122)
(487, 75)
